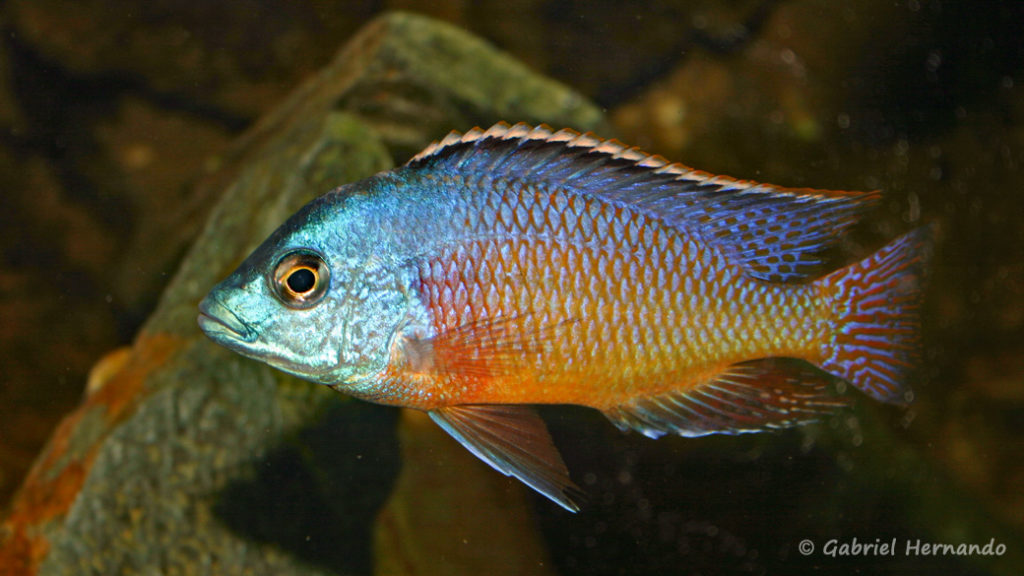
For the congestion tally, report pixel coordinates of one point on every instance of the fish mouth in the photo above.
(221, 325)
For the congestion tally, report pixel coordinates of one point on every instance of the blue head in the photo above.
(323, 297)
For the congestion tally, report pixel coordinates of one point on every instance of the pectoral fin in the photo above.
(747, 397)
(514, 441)
(487, 348)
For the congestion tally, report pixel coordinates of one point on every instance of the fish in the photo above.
(517, 266)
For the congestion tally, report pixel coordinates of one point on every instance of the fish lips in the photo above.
(223, 326)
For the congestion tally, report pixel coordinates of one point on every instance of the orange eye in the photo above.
(301, 279)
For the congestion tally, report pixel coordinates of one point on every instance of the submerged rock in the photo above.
(185, 458)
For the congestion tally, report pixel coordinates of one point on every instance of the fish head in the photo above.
(316, 299)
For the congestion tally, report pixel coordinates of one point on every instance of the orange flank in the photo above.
(551, 326)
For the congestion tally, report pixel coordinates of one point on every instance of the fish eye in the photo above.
(301, 279)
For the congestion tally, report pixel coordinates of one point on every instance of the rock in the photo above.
(126, 107)
(189, 458)
(409, 92)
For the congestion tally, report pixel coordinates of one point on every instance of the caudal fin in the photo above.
(874, 342)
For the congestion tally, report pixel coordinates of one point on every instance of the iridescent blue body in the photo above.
(521, 266)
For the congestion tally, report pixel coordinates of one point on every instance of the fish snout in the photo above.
(222, 325)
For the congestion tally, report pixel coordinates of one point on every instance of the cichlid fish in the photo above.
(520, 265)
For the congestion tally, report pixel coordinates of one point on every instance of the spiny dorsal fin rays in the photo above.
(522, 133)
(774, 233)
(543, 133)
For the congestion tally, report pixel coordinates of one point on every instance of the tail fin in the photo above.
(875, 339)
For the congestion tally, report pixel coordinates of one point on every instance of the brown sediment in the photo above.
(121, 391)
(19, 554)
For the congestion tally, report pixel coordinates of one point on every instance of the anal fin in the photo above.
(515, 441)
(750, 396)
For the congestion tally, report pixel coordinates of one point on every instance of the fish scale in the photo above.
(518, 265)
(533, 248)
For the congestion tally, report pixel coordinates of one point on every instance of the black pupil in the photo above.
(301, 280)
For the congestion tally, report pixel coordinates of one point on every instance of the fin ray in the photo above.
(486, 348)
(747, 397)
(775, 233)
(513, 440)
(875, 343)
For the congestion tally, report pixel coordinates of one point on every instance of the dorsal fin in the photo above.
(775, 233)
